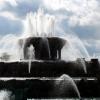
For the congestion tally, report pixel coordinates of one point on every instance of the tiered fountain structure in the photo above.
(41, 71)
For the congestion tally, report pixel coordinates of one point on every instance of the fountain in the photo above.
(41, 48)
(41, 35)
(47, 45)
(44, 58)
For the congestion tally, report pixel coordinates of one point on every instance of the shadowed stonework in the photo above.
(45, 48)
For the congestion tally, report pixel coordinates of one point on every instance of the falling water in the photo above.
(21, 44)
(83, 64)
(66, 83)
(45, 41)
(31, 56)
(73, 49)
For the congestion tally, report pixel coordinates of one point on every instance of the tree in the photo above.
(5, 56)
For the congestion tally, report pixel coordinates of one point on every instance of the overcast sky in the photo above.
(82, 17)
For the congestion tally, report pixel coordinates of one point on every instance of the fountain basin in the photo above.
(40, 69)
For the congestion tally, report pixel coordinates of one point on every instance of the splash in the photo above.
(66, 83)
(6, 95)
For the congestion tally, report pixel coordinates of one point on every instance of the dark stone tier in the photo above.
(50, 69)
(76, 79)
(88, 83)
(35, 88)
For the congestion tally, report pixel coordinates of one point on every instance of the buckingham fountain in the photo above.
(41, 72)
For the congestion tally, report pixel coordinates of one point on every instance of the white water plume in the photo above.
(39, 24)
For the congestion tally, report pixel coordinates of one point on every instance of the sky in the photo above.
(81, 17)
